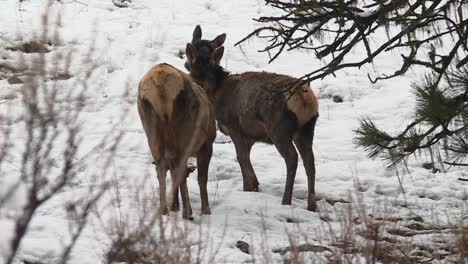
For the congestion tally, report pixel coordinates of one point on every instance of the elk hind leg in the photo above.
(161, 171)
(179, 180)
(303, 141)
(203, 161)
(281, 136)
(175, 201)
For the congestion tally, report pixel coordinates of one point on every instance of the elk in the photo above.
(254, 107)
(178, 120)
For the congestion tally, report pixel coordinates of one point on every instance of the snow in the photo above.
(128, 41)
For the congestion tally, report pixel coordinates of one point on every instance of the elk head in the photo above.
(200, 53)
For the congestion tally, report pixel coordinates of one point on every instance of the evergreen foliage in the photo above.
(441, 115)
(432, 34)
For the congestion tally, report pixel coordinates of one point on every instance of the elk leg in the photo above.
(243, 148)
(281, 136)
(288, 152)
(175, 201)
(179, 179)
(187, 209)
(175, 193)
(304, 140)
(203, 162)
(161, 171)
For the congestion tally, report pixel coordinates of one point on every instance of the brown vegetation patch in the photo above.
(347, 247)
(404, 232)
(30, 47)
(302, 248)
(60, 76)
(332, 201)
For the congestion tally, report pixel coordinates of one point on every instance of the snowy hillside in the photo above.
(127, 42)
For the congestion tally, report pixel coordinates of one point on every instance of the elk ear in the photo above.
(190, 52)
(218, 54)
(197, 34)
(218, 41)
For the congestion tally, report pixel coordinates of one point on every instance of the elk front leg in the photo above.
(243, 148)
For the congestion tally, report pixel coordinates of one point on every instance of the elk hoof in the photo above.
(250, 188)
(312, 207)
(286, 202)
(164, 211)
(187, 214)
(206, 211)
(175, 207)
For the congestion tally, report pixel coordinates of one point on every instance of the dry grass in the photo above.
(356, 234)
(47, 156)
(138, 233)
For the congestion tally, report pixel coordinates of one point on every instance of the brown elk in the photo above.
(179, 123)
(254, 107)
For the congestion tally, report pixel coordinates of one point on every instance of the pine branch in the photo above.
(456, 164)
(436, 116)
(351, 23)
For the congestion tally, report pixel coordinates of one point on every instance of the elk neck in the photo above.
(214, 81)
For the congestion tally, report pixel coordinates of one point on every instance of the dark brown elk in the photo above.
(255, 107)
(179, 123)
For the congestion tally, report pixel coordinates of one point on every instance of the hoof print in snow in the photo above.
(326, 218)
(209, 6)
(14, 80)
(430, 166)
(293, 220)
(337, 99)
(243, 246)
(302, 248)
(416, 218)
(121, 3)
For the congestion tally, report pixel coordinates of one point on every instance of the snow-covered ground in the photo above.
(128, 41)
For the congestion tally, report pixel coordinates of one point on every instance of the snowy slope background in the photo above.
(128, 41)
